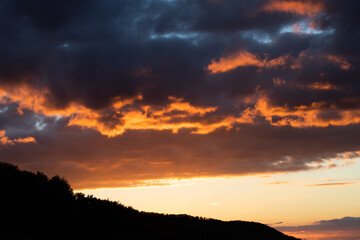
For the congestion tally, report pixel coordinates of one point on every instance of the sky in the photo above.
(245, 110)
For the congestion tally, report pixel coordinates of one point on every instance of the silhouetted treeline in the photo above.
(33, 206)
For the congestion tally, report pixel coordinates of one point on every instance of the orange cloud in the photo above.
(147, 118)
(25, 140)
(279, 81)
(319, 86)
(308, 8)
(341, 62)
(4, 140)
(177, 115)
(304, 56)
(244, 59)
(305, 116)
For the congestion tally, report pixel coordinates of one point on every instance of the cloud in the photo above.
(278, 183)
(176, 89)
(93, 65)
(344, 65)
(126, 115)
(244, 59)
(332, 184)
(278, 81)
(320, 86)
(306, 116)
(4, 140)
(215, 204)
(325, 182)
(309, 8)
(90, 160)
(343, 228)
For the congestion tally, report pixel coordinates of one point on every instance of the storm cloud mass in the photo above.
(113, 93)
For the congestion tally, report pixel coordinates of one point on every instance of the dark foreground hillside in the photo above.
(32, 206)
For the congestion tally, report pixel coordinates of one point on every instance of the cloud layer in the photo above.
(109, 92)
(341, 229)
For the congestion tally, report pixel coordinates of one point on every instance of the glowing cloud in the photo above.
(146, 117)
(308, 8)
(341, 62)
(116, 120)
(319, 86)
(306, 116)
(175, 116)
(279, 81)
(4, 140)
(244, 59)
(304, 56)
(314, 115)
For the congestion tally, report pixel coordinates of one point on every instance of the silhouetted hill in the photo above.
(32, 206)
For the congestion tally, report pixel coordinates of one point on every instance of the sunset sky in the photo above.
(235, 110)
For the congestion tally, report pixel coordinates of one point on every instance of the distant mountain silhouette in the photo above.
(32, 206)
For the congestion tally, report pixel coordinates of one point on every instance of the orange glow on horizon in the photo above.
(246, 201)
(321, 235)
(310, 235)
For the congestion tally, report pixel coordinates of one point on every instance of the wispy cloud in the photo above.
(279, 182)
(332, 184)
(339, 229)
(245, 59)
(4, 140)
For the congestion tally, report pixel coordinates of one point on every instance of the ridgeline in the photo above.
(33, 206)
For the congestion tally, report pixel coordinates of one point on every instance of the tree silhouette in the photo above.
(32, 206)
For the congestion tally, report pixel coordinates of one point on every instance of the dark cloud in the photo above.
(343, 228)
(89, 159)
(329, 115)
(94, 53)
(344, 18)
(90, 51)
(47, 16)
